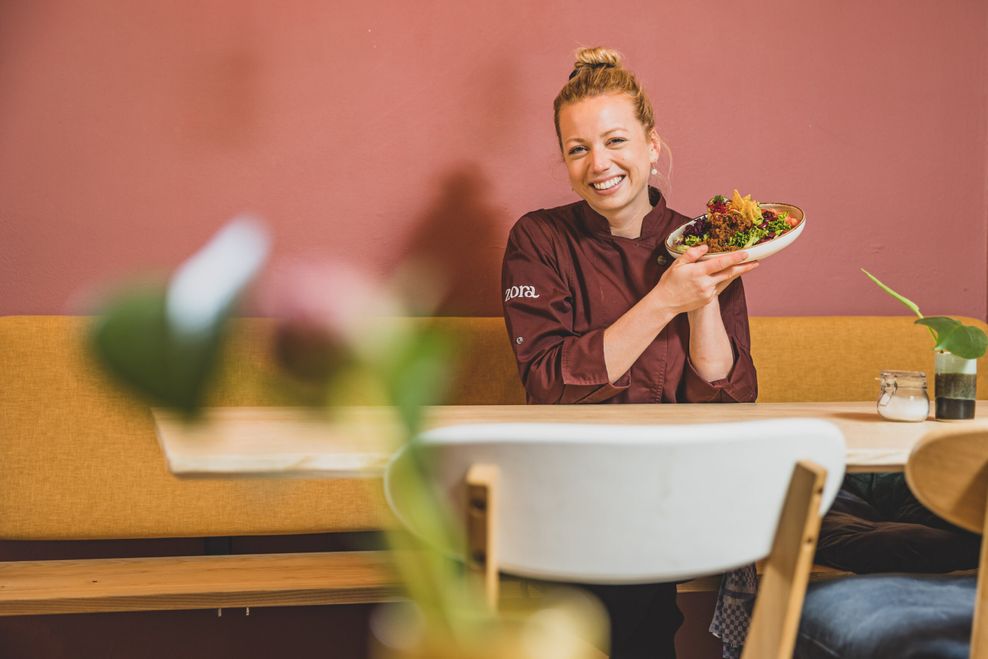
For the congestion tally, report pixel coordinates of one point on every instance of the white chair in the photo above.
(621, 504)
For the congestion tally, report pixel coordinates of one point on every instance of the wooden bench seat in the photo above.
(195, 582)
(228, 581)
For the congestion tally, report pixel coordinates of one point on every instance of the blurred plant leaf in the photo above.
(417, 374)
(163, 342)
(433, 578)
(135, 342)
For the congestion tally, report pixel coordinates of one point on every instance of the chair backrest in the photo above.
(625, 503)
(948, 473)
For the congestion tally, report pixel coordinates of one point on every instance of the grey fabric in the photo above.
(901, 616)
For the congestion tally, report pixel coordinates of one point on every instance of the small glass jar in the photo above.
(956, 386)
(903, 396)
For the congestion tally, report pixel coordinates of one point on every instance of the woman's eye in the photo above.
(576, 150)
(616, 141)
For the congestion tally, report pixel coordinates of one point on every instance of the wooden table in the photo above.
(293, 442)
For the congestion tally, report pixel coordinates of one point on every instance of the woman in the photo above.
(598, 313)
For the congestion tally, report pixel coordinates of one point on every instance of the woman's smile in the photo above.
(608, 185)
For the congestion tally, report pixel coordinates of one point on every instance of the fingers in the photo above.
(726, 261)
(729, 274)
(693, 253)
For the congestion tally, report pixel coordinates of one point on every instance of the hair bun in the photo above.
(596, 58)
(601, 71)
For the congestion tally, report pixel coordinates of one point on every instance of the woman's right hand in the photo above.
(689, 284)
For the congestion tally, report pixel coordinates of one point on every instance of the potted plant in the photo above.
(958, 348)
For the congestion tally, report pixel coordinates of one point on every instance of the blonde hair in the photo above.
(599, 71)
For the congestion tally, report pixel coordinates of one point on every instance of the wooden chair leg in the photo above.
(481, 484)
(782, 588)
(979, 625)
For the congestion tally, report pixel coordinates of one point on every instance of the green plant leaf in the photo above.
(906, 301)
(965, 341)
(941, 327)
(417, 375)
(135, 342)
(434, 581)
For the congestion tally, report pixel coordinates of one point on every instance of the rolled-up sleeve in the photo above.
(741, 383)
(556, 364)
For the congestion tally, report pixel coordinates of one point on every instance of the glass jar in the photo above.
(903, 396)
(956, 386)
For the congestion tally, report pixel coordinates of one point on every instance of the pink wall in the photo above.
(130, 131)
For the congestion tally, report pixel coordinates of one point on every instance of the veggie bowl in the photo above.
(739, 223)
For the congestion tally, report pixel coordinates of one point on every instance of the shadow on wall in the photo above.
(463, 236)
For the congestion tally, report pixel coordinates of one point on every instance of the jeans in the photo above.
(888, 615)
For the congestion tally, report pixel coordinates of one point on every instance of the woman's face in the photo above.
(608, 155)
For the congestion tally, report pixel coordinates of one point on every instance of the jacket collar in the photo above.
(654, 225)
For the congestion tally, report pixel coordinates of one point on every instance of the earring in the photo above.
(654, 171)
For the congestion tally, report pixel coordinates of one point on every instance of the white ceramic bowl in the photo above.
(758, 252)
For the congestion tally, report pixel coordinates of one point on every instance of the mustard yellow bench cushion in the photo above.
(798, 358)
(838, 358)
(79, 458)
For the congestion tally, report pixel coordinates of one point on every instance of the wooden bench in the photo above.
(216, 582)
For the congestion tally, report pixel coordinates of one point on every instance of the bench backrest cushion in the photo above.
(798, 358)
(838, 358)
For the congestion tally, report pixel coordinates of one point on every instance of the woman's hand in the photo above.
(686, 286)
(689, 284)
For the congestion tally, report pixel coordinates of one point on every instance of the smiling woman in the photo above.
(598, 312)
(604, 315)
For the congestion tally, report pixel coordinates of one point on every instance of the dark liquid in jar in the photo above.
(955, 408)
(948, 387)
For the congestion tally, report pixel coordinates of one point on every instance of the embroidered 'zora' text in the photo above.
(519, 291)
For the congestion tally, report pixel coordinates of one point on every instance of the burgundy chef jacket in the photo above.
(566, 279)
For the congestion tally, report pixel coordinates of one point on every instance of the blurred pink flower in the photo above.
(325, 310)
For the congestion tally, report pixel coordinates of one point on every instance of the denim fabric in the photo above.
(888, 615)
